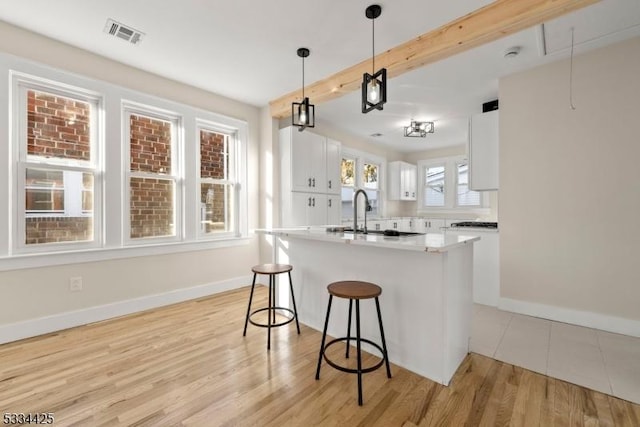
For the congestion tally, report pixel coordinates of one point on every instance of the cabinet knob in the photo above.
(406, 193)
(309, 182)
(314, 182)
(309, 202)
(329, 202)
(329, 183)
(314, 202)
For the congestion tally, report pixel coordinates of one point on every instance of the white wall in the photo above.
(570, 188)
(35, 293)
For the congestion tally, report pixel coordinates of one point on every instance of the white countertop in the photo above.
(432, 242)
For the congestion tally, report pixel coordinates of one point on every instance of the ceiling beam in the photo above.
(498, 19)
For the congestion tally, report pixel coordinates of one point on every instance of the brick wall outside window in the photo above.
(151, 200)
(214, 165)
(58, 229)
(57, 127)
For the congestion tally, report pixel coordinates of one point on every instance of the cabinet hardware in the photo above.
(314, 202)
(377, 226)
(395, 225)
(309, 202)
(329, 202)
(406, 193)
(314, 182)
(309, 182)
(426, 223)
(410, 223)
(413, 194)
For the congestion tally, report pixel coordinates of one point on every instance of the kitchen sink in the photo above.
(389, 232)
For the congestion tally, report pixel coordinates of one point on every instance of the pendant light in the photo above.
(303, 113)
(374, 86)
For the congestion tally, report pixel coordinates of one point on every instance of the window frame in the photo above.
(21, 84)
(457, 183)
(234, 166)
(135, 108)
(450, 188)
(361, 158)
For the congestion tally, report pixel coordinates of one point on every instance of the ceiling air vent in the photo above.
(123, 32)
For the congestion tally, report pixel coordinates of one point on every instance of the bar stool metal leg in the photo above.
(384, 343)
(293, 299)
(324, 337)
(359, 353)
(246, 320)
(269, 312)
(349, 328)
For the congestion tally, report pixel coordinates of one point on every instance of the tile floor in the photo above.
(595, 359)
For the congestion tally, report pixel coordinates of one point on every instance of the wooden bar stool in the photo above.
(354, 290)
(271, 270)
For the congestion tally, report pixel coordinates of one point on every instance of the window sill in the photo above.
(45, 259)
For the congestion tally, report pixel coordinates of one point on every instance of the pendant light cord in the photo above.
(303, 79)
(573, 107)
(373, 45)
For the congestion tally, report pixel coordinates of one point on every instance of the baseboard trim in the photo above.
(57, 322)
(588, 319)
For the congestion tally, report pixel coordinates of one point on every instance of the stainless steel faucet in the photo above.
(355, 210)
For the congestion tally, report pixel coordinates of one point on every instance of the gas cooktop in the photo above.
(476, 224)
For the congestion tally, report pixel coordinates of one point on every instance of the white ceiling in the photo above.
(246, 50)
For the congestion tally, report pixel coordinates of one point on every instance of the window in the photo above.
(360, 170)
(370, 185)
(60, 201)
(464, 196)
(434, 186)
(445, 187)
(57, 173)
(152, 179)
(348, 181)
(217, 181)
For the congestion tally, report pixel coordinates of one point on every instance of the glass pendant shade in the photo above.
(374, 90)
(303, 114)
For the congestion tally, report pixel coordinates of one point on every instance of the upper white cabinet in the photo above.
(403, 179)
(333, 159)
(483, 151)
(310, 178)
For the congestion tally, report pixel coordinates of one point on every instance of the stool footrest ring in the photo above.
(351, 370)
(270, 309)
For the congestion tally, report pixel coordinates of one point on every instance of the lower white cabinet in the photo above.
(311, 209)
(427, 225)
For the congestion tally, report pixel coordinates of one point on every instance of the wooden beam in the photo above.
(496, 20)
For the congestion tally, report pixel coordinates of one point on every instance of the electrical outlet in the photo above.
(75, 284)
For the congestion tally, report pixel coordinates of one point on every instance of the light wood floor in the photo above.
(188, 364)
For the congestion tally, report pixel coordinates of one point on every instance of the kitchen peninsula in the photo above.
(426, 300)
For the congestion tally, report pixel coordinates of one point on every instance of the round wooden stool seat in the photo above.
(354, 289)
(271, 268)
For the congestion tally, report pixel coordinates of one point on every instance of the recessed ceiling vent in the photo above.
(123, 32)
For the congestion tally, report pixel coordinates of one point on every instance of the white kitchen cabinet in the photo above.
(310, 179)
(334, 212)
(483, 151)
(308, 209)
(333, 161)
(303, 160)
(427, 225)
(403, 179)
